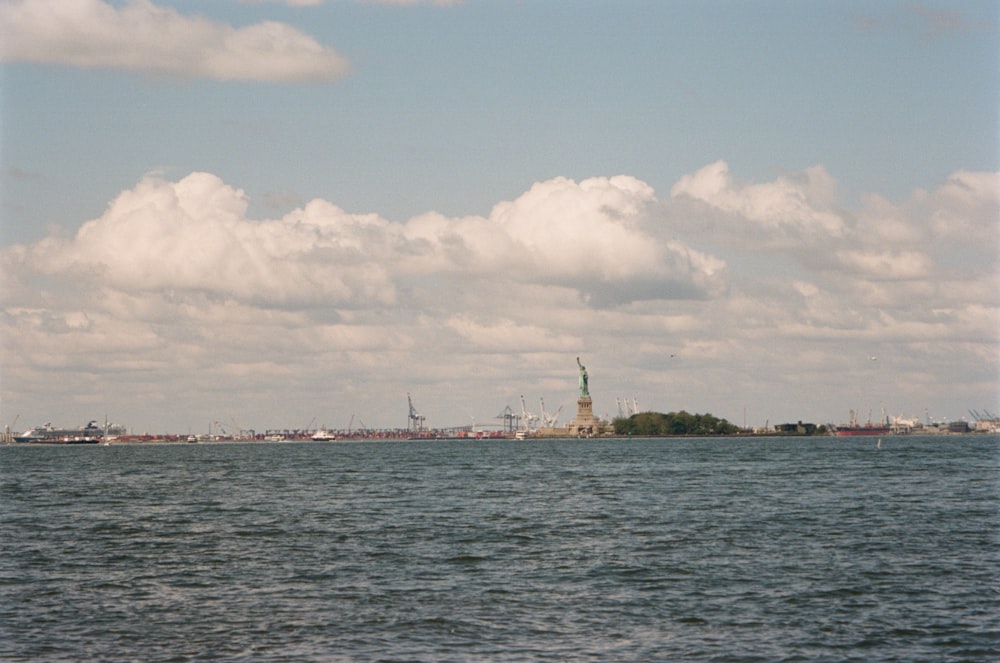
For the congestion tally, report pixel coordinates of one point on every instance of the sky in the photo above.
(293, 214)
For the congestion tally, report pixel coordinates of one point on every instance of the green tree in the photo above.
(674, 423)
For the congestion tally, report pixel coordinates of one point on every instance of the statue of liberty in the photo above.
(584, 380)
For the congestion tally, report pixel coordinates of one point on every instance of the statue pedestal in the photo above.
(585, 424)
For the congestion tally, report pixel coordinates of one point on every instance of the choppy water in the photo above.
(665, 550)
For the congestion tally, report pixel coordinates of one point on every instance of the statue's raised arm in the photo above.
(584, 380)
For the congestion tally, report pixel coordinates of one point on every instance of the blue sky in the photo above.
(413, 110)
(454, 108)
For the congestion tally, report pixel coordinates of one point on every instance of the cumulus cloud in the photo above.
(789, 209)
(885, 252)
(595, 234)
(954, 223)
(193, 236)
(966, 205)
(144, 37)
(886, 265)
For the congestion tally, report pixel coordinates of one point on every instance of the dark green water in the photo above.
(615, 550)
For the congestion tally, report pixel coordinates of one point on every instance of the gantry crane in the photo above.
(415, 418)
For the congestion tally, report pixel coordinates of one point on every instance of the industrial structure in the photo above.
(415, 420)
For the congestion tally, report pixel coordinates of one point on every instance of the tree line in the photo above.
(673, 423)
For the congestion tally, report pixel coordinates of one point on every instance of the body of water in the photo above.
(765, 549)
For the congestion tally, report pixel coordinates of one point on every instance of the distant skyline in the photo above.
(274, 213)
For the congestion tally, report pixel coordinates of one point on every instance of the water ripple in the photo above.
(750, 550)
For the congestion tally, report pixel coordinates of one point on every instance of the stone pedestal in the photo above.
(585, 424)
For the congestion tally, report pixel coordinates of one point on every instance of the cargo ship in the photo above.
(856, 429)
(47, 434)
(868, 429)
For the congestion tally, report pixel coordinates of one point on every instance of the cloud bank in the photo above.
(193, 236)
(722, 296)
(143, 37)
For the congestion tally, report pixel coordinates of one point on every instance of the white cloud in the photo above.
(144, 37)
(596, 234)
(886, 265)
(957, 223)
(889, 251)
(508, 336)
(966, 207)
(192, 236)
(795, 208)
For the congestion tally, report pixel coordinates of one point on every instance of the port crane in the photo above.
(510, 420)
(626, 409)
(415, 418)
(981, 416)
(549, 420)
(527, 418)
